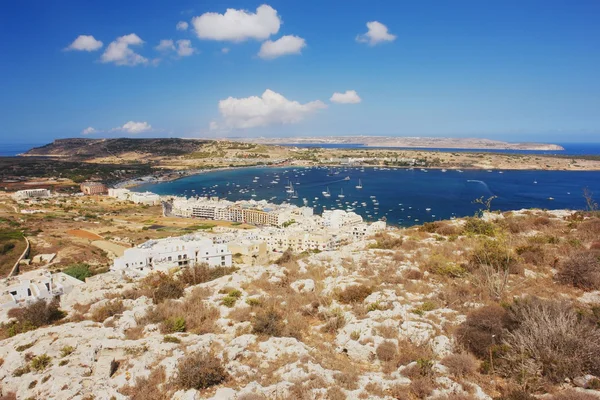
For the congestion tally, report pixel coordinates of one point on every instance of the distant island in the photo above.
(416, 142)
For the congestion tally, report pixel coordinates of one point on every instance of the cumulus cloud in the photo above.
(89, 131)
(165, 45)
(184, 48)
(182, 26)
(348, 97)
(85, 43)
(271, 108)
(376, 34)
(238, 25)
(118, 52)
(134, 127)
(285, 45)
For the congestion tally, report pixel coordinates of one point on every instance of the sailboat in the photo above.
(341, 195)
(327, 194)
(359, 186)
(294, 195)
(290, 189)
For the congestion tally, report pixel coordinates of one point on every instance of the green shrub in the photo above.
(229, 301)
(478, 226)
(66, 350)
(41, 362)
(78, 271)
(172, 325)
(171, 339)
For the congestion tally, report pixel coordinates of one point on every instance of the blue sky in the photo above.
(514, 70)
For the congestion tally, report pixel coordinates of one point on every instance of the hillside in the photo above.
(96, 148)
(505, 306)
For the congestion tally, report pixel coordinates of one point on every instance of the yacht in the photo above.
(359, 186)
(294, 195)
(327, 194)
(290, 189)
(341, 195)
(347, 178)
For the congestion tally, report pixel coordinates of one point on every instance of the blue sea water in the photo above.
(14, 149)
(405, 197)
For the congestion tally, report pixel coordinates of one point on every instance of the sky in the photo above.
(509, 70)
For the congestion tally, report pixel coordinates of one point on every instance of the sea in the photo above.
(404, 197)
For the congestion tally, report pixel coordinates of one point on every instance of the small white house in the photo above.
(165, 254)
(34, 285)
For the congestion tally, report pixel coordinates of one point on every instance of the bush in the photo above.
(34, 315)
(477, 226)
(148, 388)
(550, 337)
(354, 294)
(461, 365)
(66, 350)
(200, 371)
(172, 325)
(78, 271)
(108, 310)
(203, 273)
(286, 257)
(334, 320)
(229, 301)
(572, 394)
(171, 339)
(168, 289)
(387, 351)
(41, 362)
(581, 270)
(268, 322)
(495, 254)
(385, 241)
(483, 329)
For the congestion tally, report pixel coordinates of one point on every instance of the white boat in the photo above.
(341, 195)
(253, 194)
(347, 178)
(274, 182)
(290, 189)
(327, 194)
(359, 186)
(294, 195)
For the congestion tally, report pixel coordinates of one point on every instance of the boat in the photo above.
(341, 195)
(253, 194)
(294, 195)
(290, 189)
(359, 186)
(327, 194)
(347, 178)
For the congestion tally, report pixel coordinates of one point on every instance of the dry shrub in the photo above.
(532, 254)
(421, 387)
(461, 365)
(458, 292)
(268, 322)
(516, 224)
(334, 320)
(148, 388)
(108, 310)
(409, 352)
(335, 393)
(483, 328)
(34, 315)
(199, 317)
(158, 286)
(455, 396)
(439, 227)
(354, 294)
(589, 229)
(251, 396)
(495, 254)
(413, 274)
(347, 380)
(385, 241)
(286, 257)
(595, 246)
(386, 351)
(581, 270)
(550, 338)
(200, 371)
(572, 394)
(203, 273)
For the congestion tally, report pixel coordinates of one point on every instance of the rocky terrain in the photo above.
(503, 306)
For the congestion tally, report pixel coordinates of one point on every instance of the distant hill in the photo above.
(82, 149)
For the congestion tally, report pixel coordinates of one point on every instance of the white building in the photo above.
(165, 254)
(119, 193)
(34, 285)
(146, 198)
(362, 230)
(337, 219)
(31, 194)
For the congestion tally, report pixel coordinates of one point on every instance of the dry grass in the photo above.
(354, 294)
(200, 371)
(111, 308)
(581, 270)
(387, 351)
(461, 365)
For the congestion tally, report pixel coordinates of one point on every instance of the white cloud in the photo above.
(184, 48)
(182, 26)
(348, 97)
(85, 43)
(118, 52)
(134, 127)
(238, 25)
(165, 45)
(225, 50)
(89, 131)
(377, 33)
(289, 44)
(270, 108)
